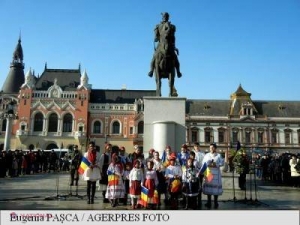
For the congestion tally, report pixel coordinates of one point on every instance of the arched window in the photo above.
(116, 127)
(68, 123)
(38, 122)
(53, 123)
(4, 125)
(141, 127)
(97, 127)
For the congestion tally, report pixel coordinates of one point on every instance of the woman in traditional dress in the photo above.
(92, 173)
(115, 188)
(136, 179)
(150, 183)
(213, 186)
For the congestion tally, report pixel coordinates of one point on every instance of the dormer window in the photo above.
(247, 109)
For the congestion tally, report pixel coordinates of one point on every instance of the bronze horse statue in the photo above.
(164, 64)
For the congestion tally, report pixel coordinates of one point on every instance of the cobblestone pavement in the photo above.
(50, 191)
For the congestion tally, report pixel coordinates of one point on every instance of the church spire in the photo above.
(15, 77)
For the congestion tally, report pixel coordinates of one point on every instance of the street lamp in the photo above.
(9, 116)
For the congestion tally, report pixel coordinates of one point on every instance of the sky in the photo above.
(222, 44)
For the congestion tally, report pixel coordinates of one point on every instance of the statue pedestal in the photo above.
(164, 123)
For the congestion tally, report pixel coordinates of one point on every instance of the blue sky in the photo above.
(222, 43)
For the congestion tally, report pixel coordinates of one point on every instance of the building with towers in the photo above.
(59, 108)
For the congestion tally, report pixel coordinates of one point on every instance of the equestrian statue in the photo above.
(165, 60)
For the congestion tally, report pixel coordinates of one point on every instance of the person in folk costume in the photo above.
(150, 155)
(166, 155)
(199, 156)
(173, 175)
(150, 182)
(92, 173)
(183, 156)
(136, 179)
(214, 187)
(190, 182)
(128, 167)
(124, 159)
(115, 188)
(123, 156)
(104, 163)
(160, 171)
(136, 154)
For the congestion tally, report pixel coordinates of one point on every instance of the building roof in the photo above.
(118, 96)
(222, 108)
(67, 79)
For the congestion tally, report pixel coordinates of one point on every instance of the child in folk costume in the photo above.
(150, 183)
(190, 184)
(160, 171)
(136, 179)
(126, 180)
(214, 186)
(92, 173)
(115, 187)
(173, 176)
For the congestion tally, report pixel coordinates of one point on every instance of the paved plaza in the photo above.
(50, 191)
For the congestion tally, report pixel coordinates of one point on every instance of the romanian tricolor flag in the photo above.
(144, 196)
(175, 186)
(113, 179)
(206, 172)
(85, 163)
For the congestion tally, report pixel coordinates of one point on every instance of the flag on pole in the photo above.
(85, 163)
(113, 179)
(206, 172)
(144, 196)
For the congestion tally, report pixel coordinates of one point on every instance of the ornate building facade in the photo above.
(59, 108)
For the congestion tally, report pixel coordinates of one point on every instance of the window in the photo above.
(67, 123)
(260, 137)
(38, 122)
(141, 127)
(287, 136)
(53, 123)
(4, 125)
(116, 127)
(97, 127)
(235, 136)
(194, 135)
(221, 135)
(208, 138)
(274, 136)
(248, 137)
(130, 130)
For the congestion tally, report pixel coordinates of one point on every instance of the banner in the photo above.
(115, 217)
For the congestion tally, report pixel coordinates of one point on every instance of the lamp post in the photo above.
(9, 116)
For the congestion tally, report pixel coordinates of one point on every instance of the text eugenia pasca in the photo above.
(92, 217)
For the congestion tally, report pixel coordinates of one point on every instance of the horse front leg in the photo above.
(171, 84)
(158, 86)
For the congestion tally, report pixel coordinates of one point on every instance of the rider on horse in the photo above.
(165, 32)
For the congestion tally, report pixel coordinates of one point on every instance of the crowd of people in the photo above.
(19, 162)
(145, 182)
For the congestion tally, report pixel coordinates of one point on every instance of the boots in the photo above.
(88, 192)
(208, 204)
(186, 203)
(105, 200)
(216, 204)
(93, 192)
(199, 198)
(125, 199)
